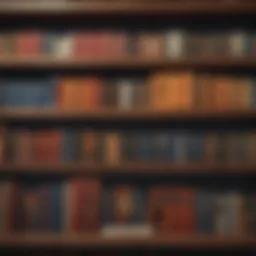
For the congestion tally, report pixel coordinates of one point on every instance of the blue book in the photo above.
(195, 147)
(161, 144)
(56, 201)
(180, 148)
(36, 92)
(70, 145)
(205, 208)
(144, 147)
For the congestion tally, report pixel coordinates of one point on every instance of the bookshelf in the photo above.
(10, 115)
(131, 8)
(125, 11)
(129, 169)
(41, 63)
(83, 241)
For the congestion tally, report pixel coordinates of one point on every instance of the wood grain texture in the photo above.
(126, 8)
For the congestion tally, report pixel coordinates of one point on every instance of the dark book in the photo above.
(124, 205)
(205, 212)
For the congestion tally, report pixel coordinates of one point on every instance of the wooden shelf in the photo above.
(121, 8)
(202, 242)
(127, 63)
(129, 168)
(114, 115)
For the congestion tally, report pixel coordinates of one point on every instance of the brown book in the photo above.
(92, 147)
(205, 93)
(2, 145)
(90, 203)
(186, 91)
(150, 45)
(223, 87)
(242, 93)
(46, 146)
(21, 146)
(251, 152)
(123, 204)
(141, 95)
(112, 149)
(109, 95)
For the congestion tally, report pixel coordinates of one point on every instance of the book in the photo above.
(20, 146)
(92, 146)
(70, 145)
(69, 93)
(28, 92)
(228, 214)
(150, 45)
(238, 42)
(205, 212)
(112, 148)
(175, 44)
(29, 43)
(195, 148)
(125, 94)
(6, 205)
(90, 96)
(124, 205)
(58, 44)
(46, 146)
(2, 145)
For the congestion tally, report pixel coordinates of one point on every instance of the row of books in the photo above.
(130, 146)
(85, 205)
(172, 91)
(173, 43)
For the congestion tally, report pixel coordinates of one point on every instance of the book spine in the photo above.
(125, 94)
(175, 44)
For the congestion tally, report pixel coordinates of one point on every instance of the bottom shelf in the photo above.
(71, 240)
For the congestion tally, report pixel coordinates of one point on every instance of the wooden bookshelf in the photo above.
(132, 115)
(190, 242)
(130, 8)
(128, 168)
(126, 63)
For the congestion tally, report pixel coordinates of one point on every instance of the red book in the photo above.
(46, 146)
(82, 45)
(29, 43)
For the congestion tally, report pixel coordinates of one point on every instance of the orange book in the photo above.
(242, 93)
(91, 93)
(224, 90)
(112, 148)
(69, 89)
(186, 91)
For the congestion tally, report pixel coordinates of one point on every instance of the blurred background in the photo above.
(127, 126)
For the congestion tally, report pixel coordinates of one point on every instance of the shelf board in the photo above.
(124, 8)
(127, 63)
(97, 240)
(128, 168)
(115, 115)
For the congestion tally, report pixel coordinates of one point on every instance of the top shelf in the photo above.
(125, 8)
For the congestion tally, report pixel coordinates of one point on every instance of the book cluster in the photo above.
(81, 205)
(172, 91)
(107, 147)
(108, 43)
